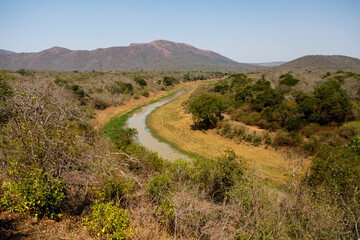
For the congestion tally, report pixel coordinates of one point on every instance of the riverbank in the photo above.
(171, 124)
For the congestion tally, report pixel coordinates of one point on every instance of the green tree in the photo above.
(207, 109)
(288, 80)
(331, 103)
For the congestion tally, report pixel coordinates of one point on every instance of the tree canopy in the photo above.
(207, 109)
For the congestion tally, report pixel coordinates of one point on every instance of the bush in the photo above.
(109, 220)
(350, 129)
(60, 82)
(290, 139)
(159, 188)
(311, 129)
(78, 90)
(249, 138)
(100, 104)
(124, 137)
(257, 141)
(116, 190)
(267, 138)
(169, 81)
(288, 80)
(219, 176)
(312, 146)
(160, 191)
(5, 89)
(24, 72)
(120, 87)
(140, 81)
(35, 192)
(181, 169)
(145, 94)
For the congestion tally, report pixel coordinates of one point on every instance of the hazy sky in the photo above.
(243, 30)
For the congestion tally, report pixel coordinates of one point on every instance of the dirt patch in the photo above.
(20, 226)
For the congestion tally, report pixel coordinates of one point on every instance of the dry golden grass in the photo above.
(172, 124)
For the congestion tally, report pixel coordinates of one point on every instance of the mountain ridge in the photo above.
(156, 55)
(322, 62)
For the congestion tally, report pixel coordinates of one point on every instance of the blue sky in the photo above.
(243, 30)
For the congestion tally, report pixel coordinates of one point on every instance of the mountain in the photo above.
(156, 55)
(322, 62)
(6, 52)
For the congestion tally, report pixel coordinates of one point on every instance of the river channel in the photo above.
(145, 138)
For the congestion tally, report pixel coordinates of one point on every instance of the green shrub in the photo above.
(100, 104)
(78, 90)
(159, 188)
(61, 82)
(288, 80)
(290, 139)
(217, 177)
(123, 137)
(24, 72)
(5, 89)
(160, 191)
(249, 138)
(145, 94)
(267, 138)
(312, 146)
(120, 87)
(140, 81)
(109, 220)
(257, 141)
(311, 129)
(116, 189)
(350, 129)
(35, 192)
(169, 81)
(181, 169)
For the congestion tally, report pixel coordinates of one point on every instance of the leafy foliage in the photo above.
(159, 188)
(116, 189)
(160, 191)
(288, 79)
(207, 108)
(337, 169)
(169, 81)
(351, 129)
(35, 192)
(5, 89)
(140, 81)
(217, 177)
(109, 220)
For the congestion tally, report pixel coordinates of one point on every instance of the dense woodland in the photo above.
(102, 184)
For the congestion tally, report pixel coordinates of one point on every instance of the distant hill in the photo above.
(156, 55)
(322, 62)
(6, 52)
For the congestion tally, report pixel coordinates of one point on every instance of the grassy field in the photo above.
(171, 124)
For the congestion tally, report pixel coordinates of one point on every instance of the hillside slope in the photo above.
(322, 62)
(156, 55)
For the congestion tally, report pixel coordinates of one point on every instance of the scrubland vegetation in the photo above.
(62, 179)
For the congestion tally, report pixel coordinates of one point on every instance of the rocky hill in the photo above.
(322, 62)
(156, 55)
